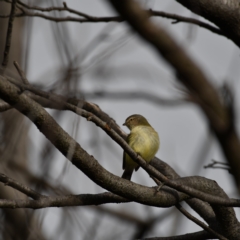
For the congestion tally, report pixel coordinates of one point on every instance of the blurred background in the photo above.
(109, 65)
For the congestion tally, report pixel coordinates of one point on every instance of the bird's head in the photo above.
(136, 120)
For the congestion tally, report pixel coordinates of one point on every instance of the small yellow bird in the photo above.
(143, 139)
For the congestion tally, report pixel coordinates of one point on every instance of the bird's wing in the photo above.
(124, 154)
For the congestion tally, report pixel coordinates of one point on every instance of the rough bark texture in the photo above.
(224, 13)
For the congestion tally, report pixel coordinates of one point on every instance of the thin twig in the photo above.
(65, 8)
(89, 18)
(9, 34)
(198, 222)
(25, 13)
(20, 187)
(21, 73)
(219, 165)
(194, 21)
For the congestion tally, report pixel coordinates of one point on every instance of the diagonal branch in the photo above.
(89, 18)
(80, 158)
(64, 201)
(9, 34)
(224, 14)
(189, 74)
(20, 187)
(198, 222)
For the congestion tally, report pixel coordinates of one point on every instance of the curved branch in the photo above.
(225, 14)
(202, 208)
(9, 33)
(20, 187)
(189, 74)
(88, 18)
(53, 133)
(64, 201)
(198, 222)
(79, 157)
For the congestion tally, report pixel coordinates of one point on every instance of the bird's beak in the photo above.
(124, 124)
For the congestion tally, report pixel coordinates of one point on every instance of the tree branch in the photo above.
(191, 76)
(178, 185)
(88, 18)
(64, 201)
(220, 12)
(20, 187)
(79, 157)
(9, 33)
(198, 222)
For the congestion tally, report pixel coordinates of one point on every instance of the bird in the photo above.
(143, 139)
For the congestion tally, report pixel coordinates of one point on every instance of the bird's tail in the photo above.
(127, 174)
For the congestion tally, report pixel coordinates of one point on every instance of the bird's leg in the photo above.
(160, 184)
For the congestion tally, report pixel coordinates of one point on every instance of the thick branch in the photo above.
(191, 76)
(80, 158)
(89, 165)
(64, 201)
(224, 13)
(179, 185)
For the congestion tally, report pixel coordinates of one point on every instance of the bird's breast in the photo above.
(145, 141)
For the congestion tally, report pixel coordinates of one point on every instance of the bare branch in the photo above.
(79, 157)
(63, 201)
(20, 187)
(220, 12)
(88, 18)
(189, 74)
(21, 73)
(25, 105)
(9, 34)
(219, 165)
(194, 21)
(66, 8)
(198, 222)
